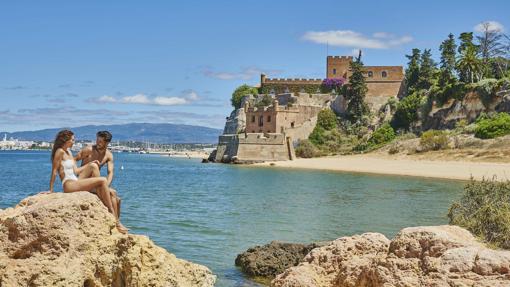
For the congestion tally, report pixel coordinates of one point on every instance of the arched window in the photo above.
(384, 74)
(261, 121)
(370, 74)
(334, 71)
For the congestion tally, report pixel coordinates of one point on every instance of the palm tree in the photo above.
(469, 65)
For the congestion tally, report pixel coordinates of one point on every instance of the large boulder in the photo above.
(272, 259)
(71, 240)
(417, 256)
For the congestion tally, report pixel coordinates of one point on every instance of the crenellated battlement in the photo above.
(341, 57)
(289, 80)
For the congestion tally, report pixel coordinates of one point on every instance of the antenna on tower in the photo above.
(327, 48)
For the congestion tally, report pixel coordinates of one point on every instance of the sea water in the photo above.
(209, 213)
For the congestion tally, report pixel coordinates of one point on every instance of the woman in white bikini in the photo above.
(65, 166)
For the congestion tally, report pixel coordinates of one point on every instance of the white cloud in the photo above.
(491, 26)
(187, 97)
(347, 38)
(245, 73)
(169, 101)
(382, 35)
(136, 99)
(106, 99)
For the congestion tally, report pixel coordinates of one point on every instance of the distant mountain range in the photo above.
(141, 132)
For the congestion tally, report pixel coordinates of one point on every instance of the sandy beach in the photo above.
(459, 170)
(187, 154)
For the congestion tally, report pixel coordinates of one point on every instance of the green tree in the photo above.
(427, 70)
(412, 73)
(466, 46)
(469, 66)
(327, 119)
(356, 91)
(240, 93)
(407, 112)
(447, 49)
(466, 40)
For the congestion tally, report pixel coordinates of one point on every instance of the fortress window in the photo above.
(292, 125)
(384, 74)
(261, 121)
(370, 74)
(252, 119)
(334, 71)
(268, 119)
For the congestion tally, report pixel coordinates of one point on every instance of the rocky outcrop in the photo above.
(417, 256)
(272, 259)
(469, 108)
(71, 240)
(236, 122)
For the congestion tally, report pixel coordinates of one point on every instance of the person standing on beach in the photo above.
(99, 152)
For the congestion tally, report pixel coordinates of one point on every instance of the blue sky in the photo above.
(71, 63)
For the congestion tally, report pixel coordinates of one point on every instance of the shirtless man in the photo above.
(99, 152)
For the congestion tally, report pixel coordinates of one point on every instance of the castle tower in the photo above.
(338, 67)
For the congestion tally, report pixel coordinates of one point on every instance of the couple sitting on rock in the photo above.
(86, 177)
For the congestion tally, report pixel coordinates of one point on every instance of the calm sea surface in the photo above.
(208, 213)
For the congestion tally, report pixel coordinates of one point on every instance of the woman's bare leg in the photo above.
(103, 192)
(86, 184)
(91, 170)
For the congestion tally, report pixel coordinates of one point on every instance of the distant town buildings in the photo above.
(14, 144)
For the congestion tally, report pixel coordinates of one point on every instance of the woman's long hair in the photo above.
(60, 140)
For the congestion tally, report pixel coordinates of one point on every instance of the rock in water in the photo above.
(417, 256)
(272, 259)
(71, 240)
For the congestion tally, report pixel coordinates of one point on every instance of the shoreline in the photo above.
(373, 164)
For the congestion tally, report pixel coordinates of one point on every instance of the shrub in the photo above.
(407, 112)
(433, 140)
(492, 127)
(240, 93)
(265, 101)
(317, 135)
(306, 149)
(327, 119)
(484, 209)
(382, 135)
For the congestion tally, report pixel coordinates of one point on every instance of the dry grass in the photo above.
(461, 147)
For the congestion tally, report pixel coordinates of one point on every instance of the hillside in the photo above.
(154, 133)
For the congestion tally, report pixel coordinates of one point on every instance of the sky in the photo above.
(74, 63)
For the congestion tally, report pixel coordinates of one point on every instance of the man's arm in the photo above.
(109, 178)
(84, 152)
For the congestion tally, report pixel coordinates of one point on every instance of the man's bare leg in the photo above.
(116, 204)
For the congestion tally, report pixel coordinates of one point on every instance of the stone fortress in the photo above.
(269, 125)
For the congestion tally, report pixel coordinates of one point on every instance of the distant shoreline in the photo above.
(373, 164)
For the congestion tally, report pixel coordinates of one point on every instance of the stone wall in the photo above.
(254, 147)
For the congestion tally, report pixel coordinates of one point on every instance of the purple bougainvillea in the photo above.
(329, 85)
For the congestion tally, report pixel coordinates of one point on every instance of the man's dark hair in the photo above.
(106, 135)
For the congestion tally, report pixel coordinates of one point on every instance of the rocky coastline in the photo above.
(417, 256)
(70, 240)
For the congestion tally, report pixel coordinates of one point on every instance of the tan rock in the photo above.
(417, 256)
(71, 240)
